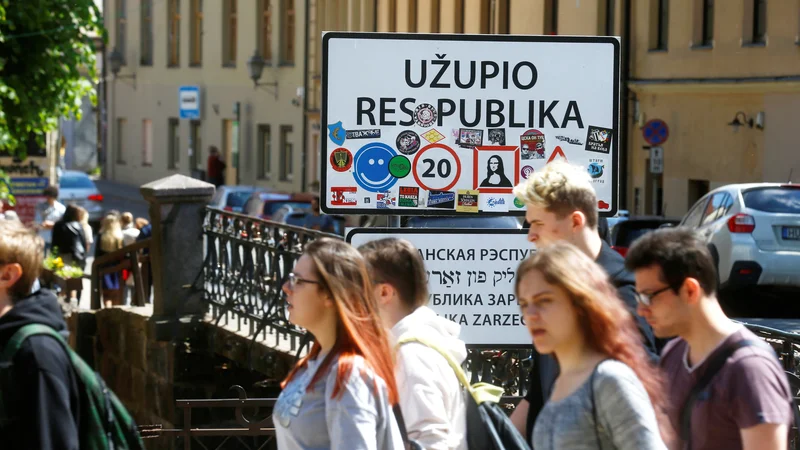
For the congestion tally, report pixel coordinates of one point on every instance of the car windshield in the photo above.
(785, 200)
(629, 231)
(271, 207)
(75, 182)
(237, 199)
(463, 222)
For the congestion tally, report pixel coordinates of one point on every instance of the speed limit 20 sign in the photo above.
(449, 124)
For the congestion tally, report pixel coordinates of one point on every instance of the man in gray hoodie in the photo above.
(431, 398)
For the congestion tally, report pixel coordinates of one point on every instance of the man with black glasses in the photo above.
(726, 386)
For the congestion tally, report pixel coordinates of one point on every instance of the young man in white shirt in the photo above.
(431, 398)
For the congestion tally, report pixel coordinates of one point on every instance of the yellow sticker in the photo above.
(467, 200)
(433, 136)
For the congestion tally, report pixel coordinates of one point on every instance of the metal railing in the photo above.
(134, 258)
(247, 260)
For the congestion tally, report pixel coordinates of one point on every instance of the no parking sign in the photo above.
(451, 123)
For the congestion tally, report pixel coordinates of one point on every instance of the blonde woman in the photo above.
(83, 217)
(607, 395)
(109, 241)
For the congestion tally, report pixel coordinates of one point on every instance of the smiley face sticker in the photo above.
(371, 167)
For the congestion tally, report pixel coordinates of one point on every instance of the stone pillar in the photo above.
(177, 209)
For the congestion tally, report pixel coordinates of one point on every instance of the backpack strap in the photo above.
(714, 366)
(480, 392)
(19, 337)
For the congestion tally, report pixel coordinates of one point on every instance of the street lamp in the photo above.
(255, 67)
(116, 61)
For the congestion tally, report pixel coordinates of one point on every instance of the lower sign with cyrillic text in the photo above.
(471, 285)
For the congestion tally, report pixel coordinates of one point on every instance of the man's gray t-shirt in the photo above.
(358, 420)
(626, 418)
(750, 388)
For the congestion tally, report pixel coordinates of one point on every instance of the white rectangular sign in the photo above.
(470, 285)
(415, 121)
(656, 160)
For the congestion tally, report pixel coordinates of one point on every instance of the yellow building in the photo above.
(165, 44)
(689, 64)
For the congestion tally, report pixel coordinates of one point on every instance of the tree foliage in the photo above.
(47, 65)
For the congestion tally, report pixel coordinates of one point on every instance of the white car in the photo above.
(753, 232)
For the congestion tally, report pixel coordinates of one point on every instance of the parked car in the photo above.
(753, 232)
(463, 222)
(621, 216)
(231, 198)
(264, 204)
(75, 187)
(625, 232)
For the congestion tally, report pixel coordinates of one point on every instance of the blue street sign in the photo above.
(189, 102)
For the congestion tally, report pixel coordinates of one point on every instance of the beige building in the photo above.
(327, 15)
(690, 64)
(167, 44)
(697, 67)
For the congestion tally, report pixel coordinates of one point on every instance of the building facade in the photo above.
(691, 65)
(698, 66)
(167, 44)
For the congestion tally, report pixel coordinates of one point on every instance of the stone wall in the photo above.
(140, 370)
(198, 361)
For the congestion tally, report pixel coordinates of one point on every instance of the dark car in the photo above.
(501, 222)
(626, 232)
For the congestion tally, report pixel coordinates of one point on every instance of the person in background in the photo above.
(129, 235)
(341, 395)
(69, 238)
(129, 230)
(431, 397)
(109, 241)
(45, 402)
(561, 205)
(87, 229)
(315, 220)
(216, 167)
(47, 214)
(607, 395)
(146, 232)
(747, 403)
(141, 222)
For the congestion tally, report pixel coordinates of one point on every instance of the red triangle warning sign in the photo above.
(556, 153)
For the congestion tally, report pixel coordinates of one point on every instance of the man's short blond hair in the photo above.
(561, 188)
(126, 219)
(21, 245)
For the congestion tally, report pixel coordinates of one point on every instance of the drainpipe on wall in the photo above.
(304, 175)
(624, 93)
(103, 154)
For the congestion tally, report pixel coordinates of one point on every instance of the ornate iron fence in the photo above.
(247, 261)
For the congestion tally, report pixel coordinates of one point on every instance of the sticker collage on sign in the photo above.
(442, 152)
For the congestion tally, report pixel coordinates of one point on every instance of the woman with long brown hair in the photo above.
(608, 395)
(341, 395)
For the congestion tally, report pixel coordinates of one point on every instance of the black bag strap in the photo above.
(714, 366)
(594, 406)
(401, 423)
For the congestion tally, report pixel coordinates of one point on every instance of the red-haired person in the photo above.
(341, 395)
(607, 395)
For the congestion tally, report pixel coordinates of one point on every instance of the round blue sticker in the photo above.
(371, 167)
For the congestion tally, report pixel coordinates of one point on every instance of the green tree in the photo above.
(5, 189)
(44, 46)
